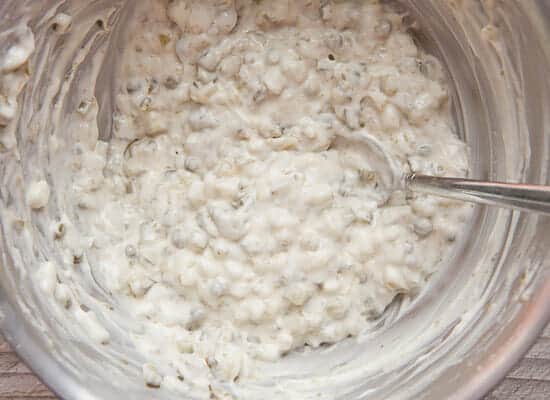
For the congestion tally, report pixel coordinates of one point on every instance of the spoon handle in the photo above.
(534, 198)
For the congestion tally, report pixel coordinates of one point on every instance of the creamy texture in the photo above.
(235, 212)
(234, 215)
(16, 46)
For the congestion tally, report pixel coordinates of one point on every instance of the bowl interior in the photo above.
(480, 312)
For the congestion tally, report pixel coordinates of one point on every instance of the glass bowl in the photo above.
(456, 340)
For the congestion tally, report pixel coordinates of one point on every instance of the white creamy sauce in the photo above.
(235, 215)
(38, 194)
(16, 46)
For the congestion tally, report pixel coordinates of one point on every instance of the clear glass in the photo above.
(456, 340)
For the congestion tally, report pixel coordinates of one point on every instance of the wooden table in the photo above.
(530, 380)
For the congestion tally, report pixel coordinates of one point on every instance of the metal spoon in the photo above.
(519, 196)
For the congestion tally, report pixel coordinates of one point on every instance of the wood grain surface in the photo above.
(529, 380)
